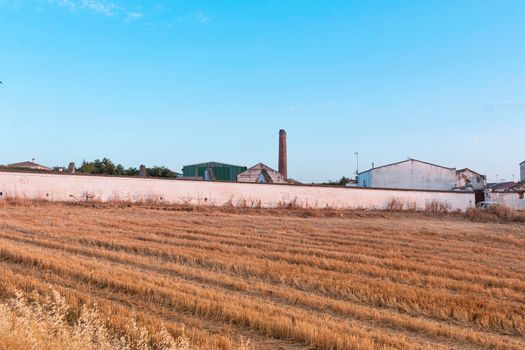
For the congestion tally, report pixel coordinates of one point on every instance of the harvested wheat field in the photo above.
(228, 279)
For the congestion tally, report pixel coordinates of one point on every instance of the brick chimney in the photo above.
(283, 161)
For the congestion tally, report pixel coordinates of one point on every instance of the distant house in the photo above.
(409, 174)
(467, 179)
(506, 187)
(510, 194)
(212, 171)
(261, 173)
(28, 166)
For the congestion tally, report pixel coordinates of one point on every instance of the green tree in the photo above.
(131, 171)
(342, 182)
(160, 171)
(107, 167)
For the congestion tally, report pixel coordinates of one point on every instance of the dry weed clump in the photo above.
(395, 204)
(431, 207)
(437, 207)
(47, 324)
(498, 213)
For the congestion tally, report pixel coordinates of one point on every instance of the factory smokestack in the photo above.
(283, 162)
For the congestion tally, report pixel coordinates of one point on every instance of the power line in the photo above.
(26, 121)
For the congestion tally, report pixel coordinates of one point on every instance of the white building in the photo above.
(467, 179)
(510, 194)
(409, 174)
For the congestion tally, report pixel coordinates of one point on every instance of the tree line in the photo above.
(342, 182)
(107, 167)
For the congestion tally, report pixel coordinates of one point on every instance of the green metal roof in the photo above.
(222, 171)
(212, 164)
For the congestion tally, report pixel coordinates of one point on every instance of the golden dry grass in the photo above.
(46, 324)
(283, 279)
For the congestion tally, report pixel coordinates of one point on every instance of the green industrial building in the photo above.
(213, 171)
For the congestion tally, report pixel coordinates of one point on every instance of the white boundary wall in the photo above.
(511, 200)
(57, 187)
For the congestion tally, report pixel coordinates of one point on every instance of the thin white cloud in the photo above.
(11, 4)
(332, 105)
(294, 107)
(158, 7)
(126, 12)
(202, 17)
(133, 16)
(65, 3)
(102, 7)
(504, 105)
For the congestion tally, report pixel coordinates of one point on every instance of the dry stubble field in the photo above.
(282, 279)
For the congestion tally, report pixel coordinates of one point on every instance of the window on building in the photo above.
(261, 179)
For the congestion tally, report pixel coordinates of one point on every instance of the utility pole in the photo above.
(357, 162)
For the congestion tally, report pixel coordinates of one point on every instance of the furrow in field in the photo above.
(306, 300)
(244, 286)
(325, 332)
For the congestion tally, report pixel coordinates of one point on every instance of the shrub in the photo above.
(411, 205)
(495, 213)
(293, 204)
(395, 204)
(437, 207)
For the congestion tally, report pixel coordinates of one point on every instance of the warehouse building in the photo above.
(409, 174)
(213, 171)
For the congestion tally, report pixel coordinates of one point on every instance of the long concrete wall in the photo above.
(57, 187)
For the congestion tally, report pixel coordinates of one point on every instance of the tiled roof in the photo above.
(272, 176)
(31, 165)
(504, 186)
(472, 171)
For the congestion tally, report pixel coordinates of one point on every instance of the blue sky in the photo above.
(180, 82)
